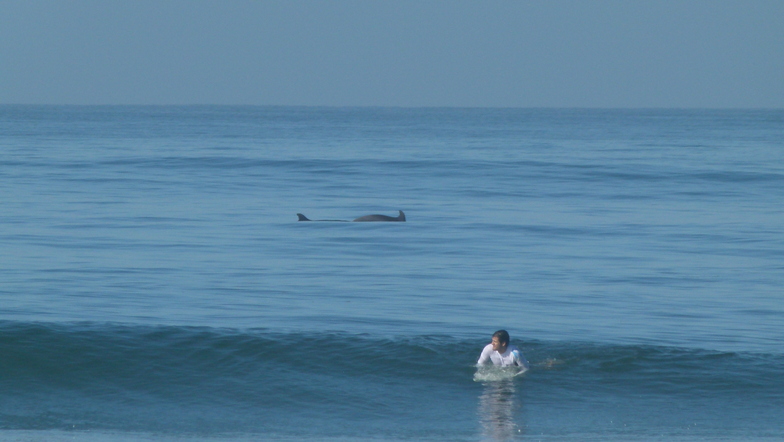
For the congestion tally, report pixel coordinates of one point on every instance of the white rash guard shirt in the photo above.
(511, 357)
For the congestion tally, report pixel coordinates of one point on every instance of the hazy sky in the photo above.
(604, 53)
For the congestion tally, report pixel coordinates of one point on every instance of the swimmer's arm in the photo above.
(484, 358)
(519, 358)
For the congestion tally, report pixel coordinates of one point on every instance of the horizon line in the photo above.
(367, 106)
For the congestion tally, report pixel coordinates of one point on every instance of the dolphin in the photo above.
(401, 217)
(305, 218)
(366, 218)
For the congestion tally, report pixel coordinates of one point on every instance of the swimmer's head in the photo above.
(500, 341)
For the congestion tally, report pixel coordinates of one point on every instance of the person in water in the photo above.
(501, 353)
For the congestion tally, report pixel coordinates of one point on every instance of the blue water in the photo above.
(155, 283)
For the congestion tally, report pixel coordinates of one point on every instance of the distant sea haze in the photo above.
(157, 285)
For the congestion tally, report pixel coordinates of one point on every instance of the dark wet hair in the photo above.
(503, 336)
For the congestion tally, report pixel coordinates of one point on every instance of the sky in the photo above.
(409, 53)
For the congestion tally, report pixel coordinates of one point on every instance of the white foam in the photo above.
(494, 374)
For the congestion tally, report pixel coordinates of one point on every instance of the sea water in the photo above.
(155, 283)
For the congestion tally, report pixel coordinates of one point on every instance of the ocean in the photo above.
(156, 285)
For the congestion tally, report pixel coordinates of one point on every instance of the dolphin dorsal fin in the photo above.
(302, 217)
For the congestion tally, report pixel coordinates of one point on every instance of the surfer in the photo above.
(501, 353)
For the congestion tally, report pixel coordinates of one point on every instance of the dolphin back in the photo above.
(367, 218)
(301, 217)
